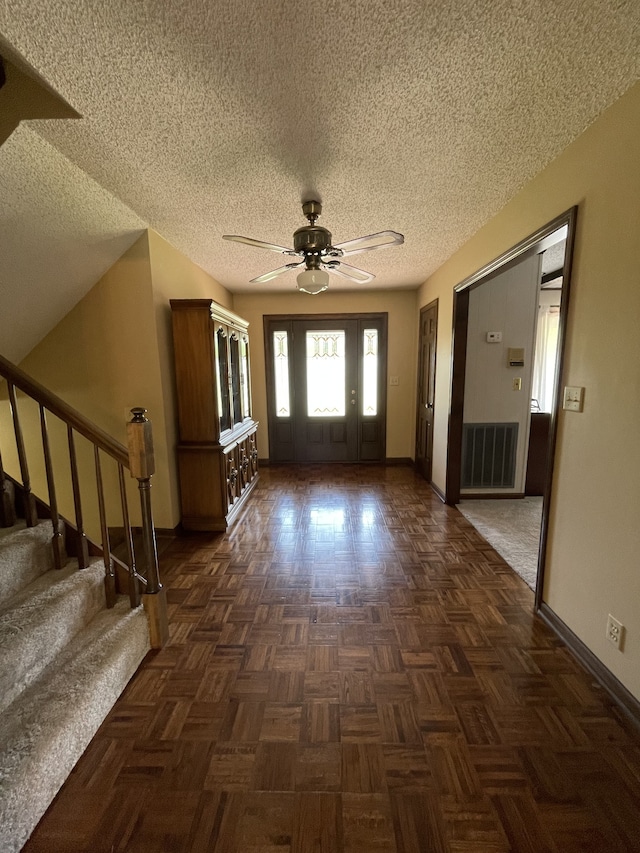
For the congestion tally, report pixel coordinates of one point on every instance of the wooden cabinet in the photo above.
(217, 450)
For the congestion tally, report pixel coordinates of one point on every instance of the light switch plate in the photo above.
(573, 398)
(393, 380)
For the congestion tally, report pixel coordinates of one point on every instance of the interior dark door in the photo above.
(326, 383)
(325, 376)
(426, 388)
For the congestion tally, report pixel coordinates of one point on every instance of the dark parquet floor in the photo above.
(351, 668)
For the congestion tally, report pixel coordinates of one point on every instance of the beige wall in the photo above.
(114, 351)
(102, 360)
(401, 360)
(174, 276)
(594, 541)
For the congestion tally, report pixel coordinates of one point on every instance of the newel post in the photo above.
(142, 467)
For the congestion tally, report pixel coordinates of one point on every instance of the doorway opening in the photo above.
(326, 387)
(509, 330)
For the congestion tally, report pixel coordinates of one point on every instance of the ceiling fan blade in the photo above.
(374, 241)
(259, 244)
(352, 273)
(274, 273)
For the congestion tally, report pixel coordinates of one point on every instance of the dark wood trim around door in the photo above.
(553, 429)
(456, 406)
(426, 390)
(535, 241)
(371, 445)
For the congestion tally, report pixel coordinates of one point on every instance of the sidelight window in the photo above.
(281, 373)
(370, 372)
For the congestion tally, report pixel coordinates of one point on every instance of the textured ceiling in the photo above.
(553, 258)
(211, 117)
(60, 232)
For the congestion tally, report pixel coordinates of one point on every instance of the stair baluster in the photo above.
(7, 506)
(134, 579)
(57, 540)
(82, 543)
(109, 572)
(29, 501)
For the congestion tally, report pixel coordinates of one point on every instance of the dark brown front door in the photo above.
(326, 388)
(325, 374)
(426, 388)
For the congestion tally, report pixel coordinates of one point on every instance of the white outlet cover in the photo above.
(615, 632)
(573, 398)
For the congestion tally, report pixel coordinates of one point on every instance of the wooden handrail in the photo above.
(64, 411)
(137, 458)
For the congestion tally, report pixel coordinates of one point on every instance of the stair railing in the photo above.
(137, 458)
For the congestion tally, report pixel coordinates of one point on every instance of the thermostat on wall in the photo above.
(494, 337)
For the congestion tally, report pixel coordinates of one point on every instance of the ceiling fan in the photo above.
(312, 246)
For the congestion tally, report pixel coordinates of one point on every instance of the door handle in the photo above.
(428, 405)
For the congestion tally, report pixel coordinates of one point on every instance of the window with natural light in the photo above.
(544, 363)
(326, 363)
(281, 373)
(370, 372)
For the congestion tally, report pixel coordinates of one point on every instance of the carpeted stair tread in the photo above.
(50, 724)
(25, 553)
(39, 621)
(20, 524)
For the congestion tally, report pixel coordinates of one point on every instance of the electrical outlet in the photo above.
(572, 399)
(615, 632)
(393, 380)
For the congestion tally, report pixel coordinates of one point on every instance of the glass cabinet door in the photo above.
(244, 377)
(222, 361)
(236, 397)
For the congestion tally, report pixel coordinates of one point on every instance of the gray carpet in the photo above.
(512, 527)
(25, 554)
(64, 660)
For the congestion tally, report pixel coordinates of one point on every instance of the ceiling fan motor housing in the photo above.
(312, 238)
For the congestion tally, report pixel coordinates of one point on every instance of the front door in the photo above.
(326, 388)
(426, 388)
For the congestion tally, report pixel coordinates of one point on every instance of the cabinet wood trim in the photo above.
(214, 485)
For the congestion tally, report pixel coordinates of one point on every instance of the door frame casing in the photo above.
(379, 316)
(433, 305)
(459, 351)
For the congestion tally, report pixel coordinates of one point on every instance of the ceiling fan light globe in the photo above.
(313, 281)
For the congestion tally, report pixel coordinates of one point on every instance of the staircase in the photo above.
(72, 628)
(64, 660)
